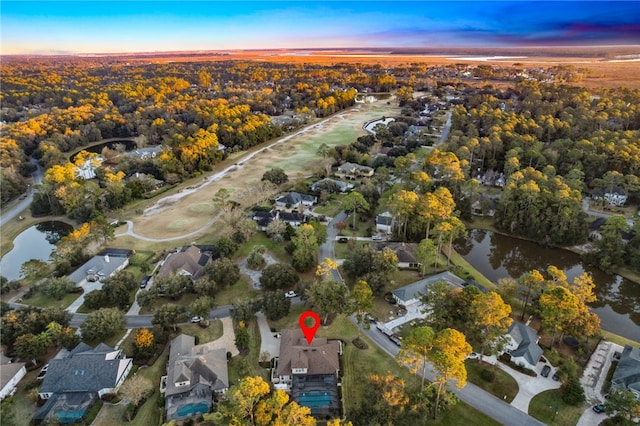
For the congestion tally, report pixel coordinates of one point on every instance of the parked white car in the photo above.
(290, 294)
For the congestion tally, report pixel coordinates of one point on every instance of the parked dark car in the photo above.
(545, 371)
(598, 408)
(145, 281)
(343, 239)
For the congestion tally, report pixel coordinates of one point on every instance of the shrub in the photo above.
(487, 375)
(572, 393)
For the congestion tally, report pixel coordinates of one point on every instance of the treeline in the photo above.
(51, 108)
(539, 125)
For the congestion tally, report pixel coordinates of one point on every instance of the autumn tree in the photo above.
(450, 349)
(558, 306)
(391, 401)
(362, 301)
(416, 349)
(144, 343)
(491, 317)
(530, 282)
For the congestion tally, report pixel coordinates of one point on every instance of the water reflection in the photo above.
(36, 242)
(498, 256)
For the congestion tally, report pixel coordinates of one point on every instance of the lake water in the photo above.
(499, 256)
(36, 242)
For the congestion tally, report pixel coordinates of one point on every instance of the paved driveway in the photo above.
(268, 342)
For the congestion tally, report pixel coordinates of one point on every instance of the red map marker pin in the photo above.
(309, 332)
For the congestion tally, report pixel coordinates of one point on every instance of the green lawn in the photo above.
(469, 270)
(240, 366)
(342, 250)
(204, 334)
(545, 405)
(503, 384)
(260, 238)
(42, 301)
(23, 408)
(332, 208)
(240, 290)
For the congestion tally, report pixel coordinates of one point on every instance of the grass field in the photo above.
(549, 408)
(294, 153)
(42, 301)
(503, 385)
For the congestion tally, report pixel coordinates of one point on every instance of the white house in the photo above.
(10, 375)
(522, 345)
(384, 223)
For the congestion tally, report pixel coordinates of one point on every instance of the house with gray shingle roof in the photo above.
(627, 373)
(292, 200)
(74, 382)
(188, 261)
(522, 345)
(194, 374)
(101, 266)
(410, 294)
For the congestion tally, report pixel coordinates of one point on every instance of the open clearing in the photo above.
(191, 209)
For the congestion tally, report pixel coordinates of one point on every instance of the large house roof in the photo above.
(404, 251)
(195, 364)
(321, 357)
(102, 265)
(627, 373)
(294, 198)
(526, 338)
(414, 290)
(85, 369)
(189, 261)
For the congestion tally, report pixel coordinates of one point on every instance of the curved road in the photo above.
(22, 205)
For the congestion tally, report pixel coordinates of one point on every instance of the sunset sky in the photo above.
(52, 27)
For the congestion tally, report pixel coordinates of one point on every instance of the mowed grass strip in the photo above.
(549, 408)
(503, 386)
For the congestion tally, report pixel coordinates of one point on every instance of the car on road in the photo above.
(343, 240)
(144, 281)
(598, 408)
(473, 355)
(376, 238)
(196, 319)
(290, 294)
(545, 371)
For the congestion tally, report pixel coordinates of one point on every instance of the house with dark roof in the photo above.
(194, 374)
(309, 372)
(522, 345)
(10, 375)
(101, 266)
(331, 185)
(409, 295)
(404, 251)
(292, 200)
(74, 382)
(263, 219)
(595, 231)
(384, 223)
(189, 261)
(627, 373)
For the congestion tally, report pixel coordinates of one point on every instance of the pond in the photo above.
(499, 256)
(128, 144)
(36, 242)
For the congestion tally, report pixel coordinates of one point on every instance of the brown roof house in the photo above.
(309, 372)
(404, 251)
(188, 261)
(194, 374)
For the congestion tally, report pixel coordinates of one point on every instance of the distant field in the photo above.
(295, 155)
(604, 73)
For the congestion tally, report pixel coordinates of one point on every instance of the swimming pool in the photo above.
(70, 416)
(315, 399)
(193, 408)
